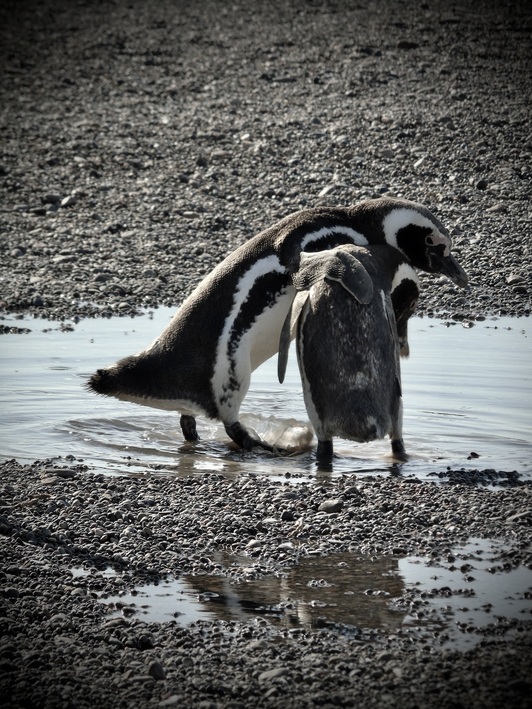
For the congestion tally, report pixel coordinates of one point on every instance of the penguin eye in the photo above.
(429, 241)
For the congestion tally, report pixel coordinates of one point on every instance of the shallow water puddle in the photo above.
(452, 603)
(463, 597)
(465, 390)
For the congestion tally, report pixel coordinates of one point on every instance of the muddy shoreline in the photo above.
(140, 144)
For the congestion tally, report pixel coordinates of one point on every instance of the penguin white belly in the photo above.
(263, 336)
(183, 406)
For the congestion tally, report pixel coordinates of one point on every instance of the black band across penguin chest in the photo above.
(253, 321)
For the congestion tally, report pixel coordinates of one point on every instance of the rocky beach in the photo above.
(141, 143)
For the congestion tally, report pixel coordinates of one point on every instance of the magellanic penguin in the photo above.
(351, 330)
(202, 362)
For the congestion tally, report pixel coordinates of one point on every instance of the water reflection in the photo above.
(343, 589)
(451, 602)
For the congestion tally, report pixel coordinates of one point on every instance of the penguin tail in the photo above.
(101, 382)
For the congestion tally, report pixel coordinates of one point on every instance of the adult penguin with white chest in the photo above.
(201, 363)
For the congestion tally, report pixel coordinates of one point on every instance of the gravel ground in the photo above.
(140, 143)
(143, 141)
(61, 648)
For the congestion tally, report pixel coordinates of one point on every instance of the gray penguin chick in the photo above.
(351, 331)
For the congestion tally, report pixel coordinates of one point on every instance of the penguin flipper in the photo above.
(337, 266)
(392, 324)
(286, 333)
(284, 346)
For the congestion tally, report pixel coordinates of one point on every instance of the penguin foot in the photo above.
(188, 426)
(324, 451)
(241, 437)
(398, 450)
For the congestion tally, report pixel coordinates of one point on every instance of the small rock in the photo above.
(172, 701)
(497, 208)
(68, 201)
(326, 190)
(220, 154)
(51, 199)
(272, 674)
(66, 473)
(156, 670)
(514, 279)
(331, 506)
(287, 516)
(520, 517)
(60, 618)
(407, 44)
(254, 543)
(64, 259)
(49, 481)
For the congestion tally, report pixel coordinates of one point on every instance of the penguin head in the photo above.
(425, 242)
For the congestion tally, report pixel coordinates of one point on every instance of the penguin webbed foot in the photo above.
(188, 427)
(242, 438)
(398, 450)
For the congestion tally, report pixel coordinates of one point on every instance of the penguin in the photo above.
(201, 363)
(351, 330)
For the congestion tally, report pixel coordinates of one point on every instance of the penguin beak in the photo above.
(449, 266)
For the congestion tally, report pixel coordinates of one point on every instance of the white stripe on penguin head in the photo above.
(401, 217)
(358, 238)
(404, 272)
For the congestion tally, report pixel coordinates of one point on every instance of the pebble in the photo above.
(156, 671)
(56, 537)
(331, 506)
(392, 142)
(52, 199)
(172, 701)
(272, 674)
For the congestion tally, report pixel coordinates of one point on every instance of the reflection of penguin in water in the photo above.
(202, 362)
(351, 328)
